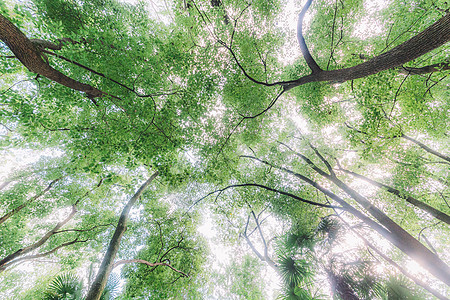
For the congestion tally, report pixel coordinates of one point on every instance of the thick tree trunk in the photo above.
(393, 263)
(422, 205)
(431, 38)
(30, 56)
(20, 207)
(8, 260)
(401, 238)
(95, 291)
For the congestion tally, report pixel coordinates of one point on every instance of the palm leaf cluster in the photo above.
(68, 286)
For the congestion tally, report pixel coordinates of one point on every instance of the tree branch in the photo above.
(20, 207)
(422, 205)
(301, 40)
(29, 55)
(141, 261)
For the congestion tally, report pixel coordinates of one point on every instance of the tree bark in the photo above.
(422, 205)
(141, 261)
(5, 262)
(431, 38)
(388, 228)
(20, 207)
(95, 291)
(30, 56)
(393, 263)
(425, 70)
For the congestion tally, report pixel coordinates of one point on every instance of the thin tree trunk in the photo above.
(426, 148)
(30, 56)
(389, 229)
(4, 184)
(422, 205)
(400, 268)
(8, 259)
(20, 207)
(97, 287)
(39, 255)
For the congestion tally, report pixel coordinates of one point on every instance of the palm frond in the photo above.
(64, 286)
(111, 288)
(293, 271)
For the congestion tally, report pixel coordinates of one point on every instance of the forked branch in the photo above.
(141, 261)
(301, 40)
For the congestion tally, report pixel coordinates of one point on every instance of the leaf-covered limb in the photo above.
(141, 261)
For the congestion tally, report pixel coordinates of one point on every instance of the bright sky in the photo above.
(368, 26)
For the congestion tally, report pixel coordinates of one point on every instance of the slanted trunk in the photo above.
(95, 291)
(422, 205)
(30, 56)
(8, 260)
(386, 226)
(426, 148)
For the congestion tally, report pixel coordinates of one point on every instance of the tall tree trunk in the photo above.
(95, 291)
(422, 205)
(393, 263)
(30, 56)
(20, 207)
(388, 228)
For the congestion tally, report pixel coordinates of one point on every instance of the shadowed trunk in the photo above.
(95, 291)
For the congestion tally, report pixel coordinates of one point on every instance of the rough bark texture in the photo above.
(29, 55)
(95, 291)
(431, 38)
(422, 205)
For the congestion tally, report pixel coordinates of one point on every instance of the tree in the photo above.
(200, 93)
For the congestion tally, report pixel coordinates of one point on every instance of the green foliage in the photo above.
(64, 286)
(179, 102)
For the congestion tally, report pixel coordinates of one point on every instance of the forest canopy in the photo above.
(224, 149)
